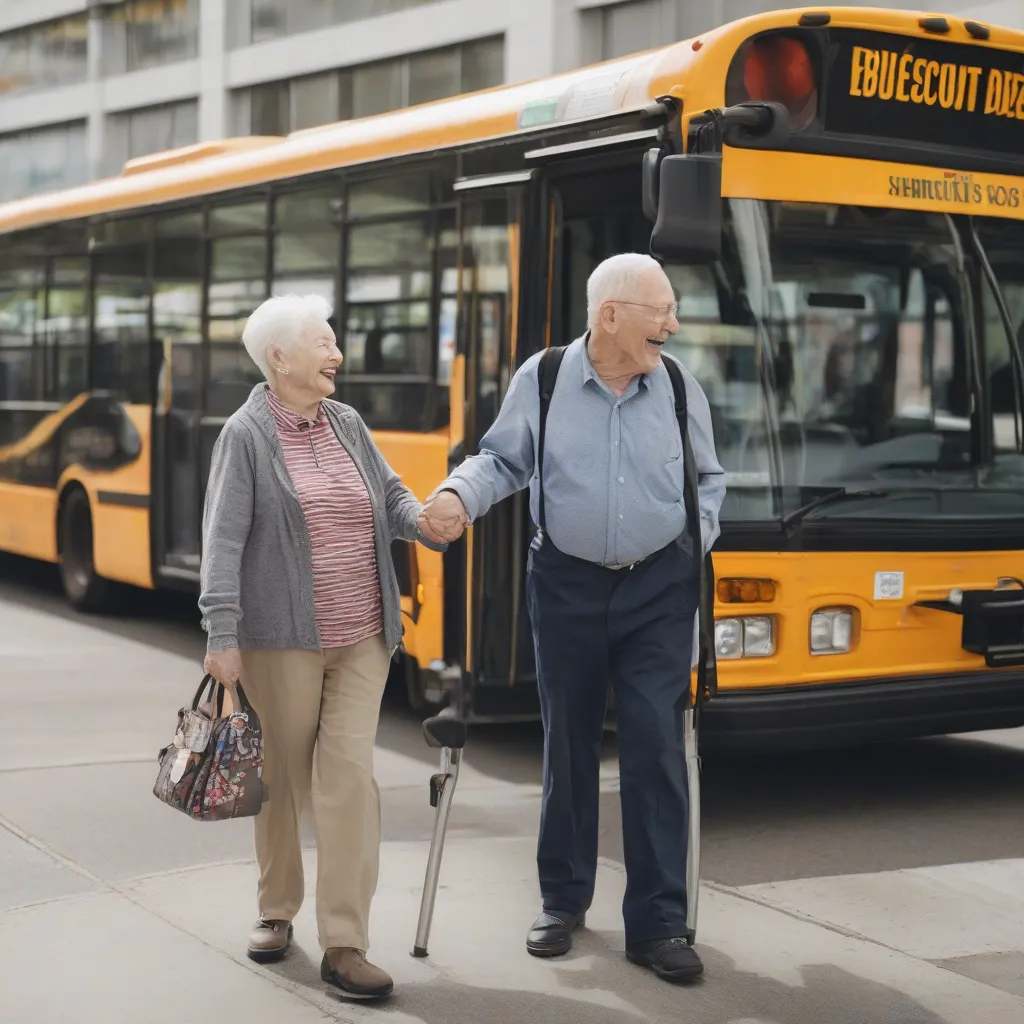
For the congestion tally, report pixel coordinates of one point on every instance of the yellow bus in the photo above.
(837, 197)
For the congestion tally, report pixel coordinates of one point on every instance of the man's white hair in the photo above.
(616, 278)
(282, 321)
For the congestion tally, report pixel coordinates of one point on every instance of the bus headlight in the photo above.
(750, 636)
(832, 631)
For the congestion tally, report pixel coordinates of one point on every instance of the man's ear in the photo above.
(608, 316)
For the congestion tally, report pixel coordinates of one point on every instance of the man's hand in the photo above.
(224, 666)
(443, 519)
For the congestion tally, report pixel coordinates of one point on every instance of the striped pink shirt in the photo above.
(336, 504)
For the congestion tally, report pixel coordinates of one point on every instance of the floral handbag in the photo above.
(213, 769)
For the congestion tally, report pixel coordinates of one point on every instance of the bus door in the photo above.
(486, 627)
(177, 341)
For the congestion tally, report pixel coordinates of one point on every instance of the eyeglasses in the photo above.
(662, 312)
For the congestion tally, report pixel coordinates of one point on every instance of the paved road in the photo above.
(882, 884)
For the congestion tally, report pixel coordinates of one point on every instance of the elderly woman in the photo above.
(300, 601)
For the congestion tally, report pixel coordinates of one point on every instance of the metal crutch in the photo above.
(707, 684)
(693, 842)
(449, 734)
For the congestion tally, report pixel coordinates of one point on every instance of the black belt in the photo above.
(598, 565)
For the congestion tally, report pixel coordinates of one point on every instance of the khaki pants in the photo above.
(319, 710)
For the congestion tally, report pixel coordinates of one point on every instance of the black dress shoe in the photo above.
(551, 934)
(672, 959)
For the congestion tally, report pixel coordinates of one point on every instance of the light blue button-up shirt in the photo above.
(613, 467)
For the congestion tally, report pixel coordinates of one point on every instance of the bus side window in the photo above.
(390, 373)
(237, 285)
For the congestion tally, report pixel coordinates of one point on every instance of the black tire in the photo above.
(85, 590)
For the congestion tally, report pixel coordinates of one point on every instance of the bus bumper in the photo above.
(862, 712)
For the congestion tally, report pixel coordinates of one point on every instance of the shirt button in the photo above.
(621, 481)
(620, 515)
(616, 444)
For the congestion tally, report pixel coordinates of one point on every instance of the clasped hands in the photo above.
(443, 518)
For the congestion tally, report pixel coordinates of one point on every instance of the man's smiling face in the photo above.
(645, 320)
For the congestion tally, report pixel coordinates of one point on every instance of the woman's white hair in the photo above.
(616, 278)
(282, 321)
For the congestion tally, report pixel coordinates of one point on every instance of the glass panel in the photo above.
(396, 244)
(43, 56)
(269, 106)
(21, 365)
(249, 216)
(159, 31)
(396, 194)
(232, 374)
(630, 28)
(233, 259)
(66, 333)
(483, 64)
(178, 253)
(858, 315)
(313, 209)
(121, 323)
(378, 88)
(235, 298)
(241, 113)
(42, 160)
(177, 325)
(69, 271)
(269, 20)
(433, 76)
(152, 130)
(314, 101)
(1006, 254)
(296, 253)
(486, 311)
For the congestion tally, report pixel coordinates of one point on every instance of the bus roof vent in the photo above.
(200, 151)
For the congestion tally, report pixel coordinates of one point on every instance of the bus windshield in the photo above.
(831, 343)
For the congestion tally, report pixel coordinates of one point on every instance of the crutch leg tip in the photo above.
(419, 952)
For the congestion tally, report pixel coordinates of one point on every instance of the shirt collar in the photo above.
(589, 373)
(288, 420)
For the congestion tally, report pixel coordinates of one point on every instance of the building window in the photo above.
(138, 133)
(41, 56)
(42, 160)
(623, 28)
(256, 21)
(278, 108)
(147, 33)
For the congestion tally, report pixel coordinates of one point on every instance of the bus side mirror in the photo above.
(688, 212)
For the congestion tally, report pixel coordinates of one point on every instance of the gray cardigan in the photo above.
(257, 572)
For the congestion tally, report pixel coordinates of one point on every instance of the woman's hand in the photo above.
(224, 666)
(443, 519)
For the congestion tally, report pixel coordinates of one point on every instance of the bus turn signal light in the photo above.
(740, 591)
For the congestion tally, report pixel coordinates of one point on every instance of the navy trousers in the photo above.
(635, 628)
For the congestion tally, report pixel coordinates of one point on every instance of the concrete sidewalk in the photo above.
(171, 945)
(117, 909)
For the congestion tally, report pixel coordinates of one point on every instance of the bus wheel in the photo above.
(86, 591)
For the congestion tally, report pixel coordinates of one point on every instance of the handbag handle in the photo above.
(210, 683)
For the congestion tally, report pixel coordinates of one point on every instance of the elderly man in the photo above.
(613, 589)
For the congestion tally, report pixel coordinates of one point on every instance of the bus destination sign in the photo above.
(925, 91)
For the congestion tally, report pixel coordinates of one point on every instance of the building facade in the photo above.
(86, 85)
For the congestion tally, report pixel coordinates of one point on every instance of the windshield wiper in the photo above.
(796, 517)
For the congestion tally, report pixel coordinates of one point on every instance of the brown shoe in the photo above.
(269, 941)
(349, 970)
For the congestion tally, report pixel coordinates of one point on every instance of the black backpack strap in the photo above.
(547, 374)
(707, 676)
